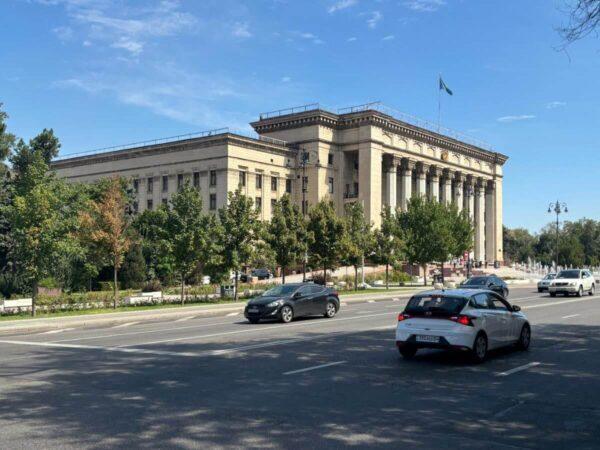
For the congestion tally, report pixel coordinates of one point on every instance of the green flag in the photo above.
(444, 87)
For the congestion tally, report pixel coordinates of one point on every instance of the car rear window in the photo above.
(435, 305)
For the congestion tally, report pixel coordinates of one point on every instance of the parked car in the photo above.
(545, 282)
(261, 274)
(491, 282)
(288, 301)
(573, 281)
(472, 320)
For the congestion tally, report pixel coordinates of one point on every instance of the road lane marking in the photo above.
(124, 325)
(337, 363)
(233, 314)
(185, 319)
(542, 305)
(57, 331)
(518, 369)
(570, 316)
(370, 301)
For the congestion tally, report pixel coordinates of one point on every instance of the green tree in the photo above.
(7, 141)
(286, 234)
(360, 238)
(459, 233)
(327, 233)
(151, 225)
(133, 271)
(388, 242)
(240, 233)
(190, 234)
(45, 146)
(518, 245)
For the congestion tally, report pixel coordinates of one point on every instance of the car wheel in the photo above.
(552, 294)
(524, 338)
(408, 352)
(592, 289)
(540, 290)
(287, 314)
(480, 348)
(254, 320)
(580, 291)
(330, 310)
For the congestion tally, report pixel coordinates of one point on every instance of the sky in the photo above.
(110, 72)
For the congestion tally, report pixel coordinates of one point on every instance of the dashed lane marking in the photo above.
(518, 369)
(57, 331)
(125, 325)
(308, 369)
(570, 316)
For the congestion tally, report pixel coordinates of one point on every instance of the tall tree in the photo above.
(518, 245)
(584, 19)
(286, 234)
(459, 233)
(7, 141)
(45, 145)
(240, 232)
(327, 236)
(360, 239)
(190, 234)
(388, 242)
(151, 225)
(106, 225)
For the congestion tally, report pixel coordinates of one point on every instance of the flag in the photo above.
(444, 87)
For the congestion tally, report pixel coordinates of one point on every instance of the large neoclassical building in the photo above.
(360, 154)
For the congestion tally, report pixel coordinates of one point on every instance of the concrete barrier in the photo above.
(8, 305)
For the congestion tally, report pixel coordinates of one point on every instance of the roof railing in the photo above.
(292, 110)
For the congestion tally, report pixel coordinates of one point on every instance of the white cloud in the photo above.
(352, 39)
(130, 45)
(341, 4)
(286, 79)
(240, 30)
(63, 33)
(424, 5)
(374, 19)
(389, 37)
(86, 43)
(555, 104)
(310, 37)
(515, 118)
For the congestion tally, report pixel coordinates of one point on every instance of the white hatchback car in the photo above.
(573, 281)
(461, 319)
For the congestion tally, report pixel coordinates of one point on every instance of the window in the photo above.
(273, 203)
(213, 177)
(330, 159)
(480, 301)
(165, 202)
(197, 180)
(213, 202)
(435, 305)
(165, 183)
(288, 186)
(179, 181)
(330, 183)
(150, 185)
(258, 181)
(258, 203)
(304, 184)
(273, 183)
(314, 289)
(498, 304)
(136, 185)
(149, 204)
(242, 179)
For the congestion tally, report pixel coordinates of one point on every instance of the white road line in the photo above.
(370, 301)
(314, 368)
(570, 316)
(233, 314)
(124, 325)
(185, 319)
(518, 369)
(542, 305)
(57, 331)
(395, 299)
(344, 304)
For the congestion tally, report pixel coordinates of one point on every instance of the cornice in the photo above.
(375, 118)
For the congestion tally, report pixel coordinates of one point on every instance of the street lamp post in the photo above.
(558, 208)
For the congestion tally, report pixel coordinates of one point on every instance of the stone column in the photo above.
(479, 221)
(391, 175)
(421, 171)
(434, 180)
(490, 223)
(446, 188)
(498, 216)
(406, 170)
(458, 190)
(369, 181)
(469, 193)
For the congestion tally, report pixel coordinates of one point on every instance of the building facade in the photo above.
(313, 154)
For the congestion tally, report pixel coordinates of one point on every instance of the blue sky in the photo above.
(107, 72)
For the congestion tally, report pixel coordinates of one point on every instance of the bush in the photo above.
(152, 286)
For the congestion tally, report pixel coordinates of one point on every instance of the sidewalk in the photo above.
(163, 314)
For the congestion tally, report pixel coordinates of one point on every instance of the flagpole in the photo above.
(439, 102)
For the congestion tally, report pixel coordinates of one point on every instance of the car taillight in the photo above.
(402, 317)
(463, 320)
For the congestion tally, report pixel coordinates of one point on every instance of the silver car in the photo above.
(545, 282)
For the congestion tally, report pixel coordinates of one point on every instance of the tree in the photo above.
(286, 234)
(190, 234)
(327, 236)
(240, 232)
(460, 231)
(151, 225)
(584, 18)
(41, 221)
(133, 270)
(388, 242)
(7, 141)
(105, 226)
(518, 244)
(360, 239)
(45, 145)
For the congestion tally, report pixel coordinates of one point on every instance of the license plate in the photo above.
(433, 339)
(252, 310)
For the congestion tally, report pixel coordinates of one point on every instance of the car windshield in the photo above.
(282, 289)
(568, 274)
(443, 305)
(550, 276)
(476, 281)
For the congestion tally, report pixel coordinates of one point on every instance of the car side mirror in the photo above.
(516, 308)
(297, 295)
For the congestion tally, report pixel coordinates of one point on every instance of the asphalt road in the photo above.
(314, 383)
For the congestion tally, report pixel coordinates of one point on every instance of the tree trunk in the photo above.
(424, 274)
(283, 274)
(115, 288)
(324, 275)
(182, 289)
(34, 295)
(355, 277)
(442, 272)
(235, 286)
(387, 284)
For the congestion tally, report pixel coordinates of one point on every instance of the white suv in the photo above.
(573, 281)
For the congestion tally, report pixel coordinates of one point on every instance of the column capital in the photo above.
(479, 185)
(490, 186)
(459, 178)
(469, 180)
(390, 162)
(408, 164)
(435, 171)
(422, 168)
